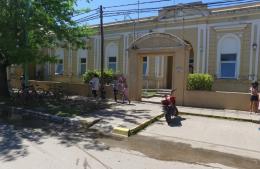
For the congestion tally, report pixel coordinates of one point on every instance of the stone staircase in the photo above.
(156, 96)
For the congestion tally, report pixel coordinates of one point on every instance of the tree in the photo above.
(28, 26)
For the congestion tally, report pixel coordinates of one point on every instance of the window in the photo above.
(112, 63)
(82, 61)
(228, 65)
(228, 57)
(159, 66)
(112, 57)
(145, 66)
(59, 66)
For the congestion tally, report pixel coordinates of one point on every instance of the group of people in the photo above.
(119, 85)
(254, 99)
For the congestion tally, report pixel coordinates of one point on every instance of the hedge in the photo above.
(199, 82)
(108, 75)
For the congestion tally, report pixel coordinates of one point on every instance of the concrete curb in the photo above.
(221, 117)
(126, 132)
(122, 131)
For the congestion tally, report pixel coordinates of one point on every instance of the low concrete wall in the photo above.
(72, 88)
(217, 99)
(231, 85)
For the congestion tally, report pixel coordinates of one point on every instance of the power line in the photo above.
(110, 13)
(134, 4)
(84, 12)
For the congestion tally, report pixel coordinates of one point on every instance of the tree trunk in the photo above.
(4, 92)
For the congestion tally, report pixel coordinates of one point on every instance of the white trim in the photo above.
(251, 52)
(257, 52)
(70, 61)
(198, 52)
(235, 27)
(159, 66)
(60, 53)
(219, 53)
(147, 67)
(204, 48)
(85, 51)
(207, 55)
(124, 54)
(188, 26)
(49, 65)
(127, 45)
(116, 48)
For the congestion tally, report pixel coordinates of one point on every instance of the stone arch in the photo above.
(153, 44)
(229, 44)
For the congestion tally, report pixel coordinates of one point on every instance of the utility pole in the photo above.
(26, 65)
(102, 91)
(138, 9)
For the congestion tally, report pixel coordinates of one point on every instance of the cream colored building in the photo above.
(223, 42)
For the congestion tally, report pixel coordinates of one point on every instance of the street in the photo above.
(190, 142)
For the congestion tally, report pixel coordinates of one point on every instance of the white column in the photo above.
(70, 61)
(198, 51)
(202, 47)
(251, 52)
(125, 54)
(257, 51)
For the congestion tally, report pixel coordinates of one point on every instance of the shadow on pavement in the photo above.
(15, 134)
(176, 121)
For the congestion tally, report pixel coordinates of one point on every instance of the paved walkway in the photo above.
(127, 119)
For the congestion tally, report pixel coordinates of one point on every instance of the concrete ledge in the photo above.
(126, 132)
(222, 117)
(121, 131)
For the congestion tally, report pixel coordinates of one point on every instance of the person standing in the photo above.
(94, 84)
(115, 86)
(254, 99)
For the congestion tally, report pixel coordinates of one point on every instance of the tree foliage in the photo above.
(27, 26)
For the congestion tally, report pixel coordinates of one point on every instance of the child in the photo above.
(94, 83)
(254, 99)
(125, 94)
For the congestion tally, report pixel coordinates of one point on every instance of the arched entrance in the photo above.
(162, 44)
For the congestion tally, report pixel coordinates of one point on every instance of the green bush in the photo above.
(87, 76)
(199, 82)
(108, 75)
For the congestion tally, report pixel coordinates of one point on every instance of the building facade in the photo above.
(224, 42)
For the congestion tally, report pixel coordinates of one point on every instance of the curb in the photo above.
(121, 131)
(126, 132)
(221, 117)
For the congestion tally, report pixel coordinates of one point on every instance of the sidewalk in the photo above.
(126, 120)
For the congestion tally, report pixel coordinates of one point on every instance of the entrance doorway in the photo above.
(158, 53)
(169, 72)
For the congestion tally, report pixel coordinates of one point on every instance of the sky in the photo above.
(106, 3)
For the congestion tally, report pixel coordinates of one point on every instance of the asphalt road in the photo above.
(191, 142)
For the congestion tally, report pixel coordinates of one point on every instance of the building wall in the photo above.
(202, 32)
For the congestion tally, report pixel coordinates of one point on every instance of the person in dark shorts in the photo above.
(254, 99)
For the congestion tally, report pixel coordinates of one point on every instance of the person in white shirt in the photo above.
(94, 84)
